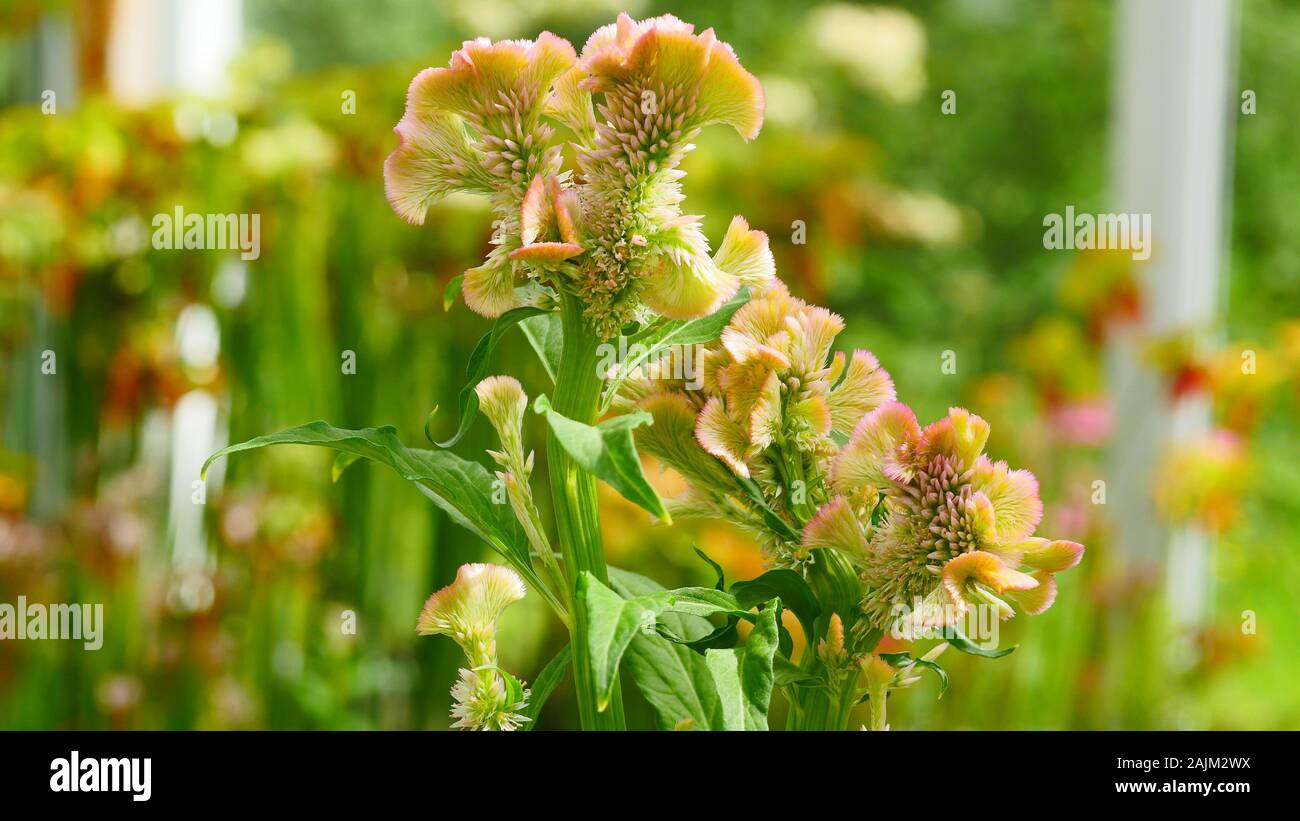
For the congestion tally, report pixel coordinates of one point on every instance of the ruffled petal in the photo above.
(489, 289)
(835, 525)
(483, 74)
(876, 449)
(707, 80)
(719, 434)
(1051, 556)
(571, 104)
(1014, 494)
(765, 418)
(960, 434)
(985, 568)
(472, 603)
(811, 415)
(812, 331)
(744, 253)
(434, 157)
(1038, 599)
(758, 329)
(687, 288)
(672, 440)
(865, 387)
(534, 211)
(546, 253)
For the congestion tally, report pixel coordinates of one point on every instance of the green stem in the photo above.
(577, 516)
(878, 701)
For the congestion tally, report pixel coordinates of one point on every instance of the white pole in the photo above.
(1171, 140)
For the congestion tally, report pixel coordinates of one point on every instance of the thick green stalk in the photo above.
(577, 516)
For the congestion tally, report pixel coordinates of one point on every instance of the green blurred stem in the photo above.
(577, 515)
(877, 702)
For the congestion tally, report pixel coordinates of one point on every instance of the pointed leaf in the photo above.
(477, 369)
(546, 334)
(547, 680)
(613, 621)
(463, 489)
(609, 452)
(744, 675)
(960, 642)
(672, 677)
(787, 585)
(648, 344)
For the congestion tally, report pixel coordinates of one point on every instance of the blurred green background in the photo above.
(922, 228)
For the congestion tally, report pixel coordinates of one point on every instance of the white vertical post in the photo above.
(1170, 151)
(157, 47)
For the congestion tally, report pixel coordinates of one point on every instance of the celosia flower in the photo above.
(613, 233)
(503, 402)
(480, 703)
(1203, 480)
(467, 610)
(957, 527)
(771, 402)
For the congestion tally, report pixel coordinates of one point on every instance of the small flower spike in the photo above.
(467, 610)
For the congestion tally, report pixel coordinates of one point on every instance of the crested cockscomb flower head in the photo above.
(610, 231)
(957, 527)
(769, 401)
(474, 125)
(470, 606)
(467, 610)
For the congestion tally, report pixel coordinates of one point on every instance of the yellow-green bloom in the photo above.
(467, 610)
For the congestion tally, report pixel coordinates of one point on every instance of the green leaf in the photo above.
(608, 451)
(672, 677)
(452, 291)
(787, 585)
(960, 642)
(477, 369)
(721, 583)
(900, 660)
(837, 587)
(786, 673)
(648, 344)
(547, 680)
(613, 621)
(770, 517)
(546, 334)
(341, 463)
(744, 675)
(463, 489)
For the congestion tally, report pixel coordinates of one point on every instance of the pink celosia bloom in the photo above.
(957, 527)
(613, 232)
(1082, 423)
(468, 608)
(771, 399)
